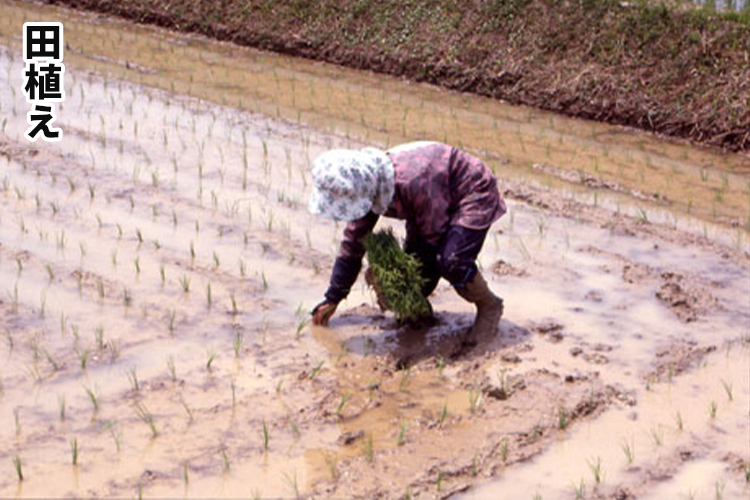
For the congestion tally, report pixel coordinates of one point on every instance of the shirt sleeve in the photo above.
(349, 262)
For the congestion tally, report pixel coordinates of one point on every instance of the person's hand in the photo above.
(323, 312)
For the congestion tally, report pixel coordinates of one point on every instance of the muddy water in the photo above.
(168, 231)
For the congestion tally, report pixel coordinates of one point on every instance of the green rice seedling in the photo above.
(137, 264)
(119, 231)
(185, 283)
(9, 339)
(14, 300)
(210, 358)
(368, 448)
(34, 373)
(719, 489)
(266, 436)
(217, 262)
(343, 352)
(301, 324)
(162, 273)
(61, 240)
(371, 390)
(728, 389)
(642, 216)
(237, 343)
(331, 463)
(504, 451)
(93, 397)
(61, 407)
(171, 368)
(475, 400)
(139, 235)
(50, 272)
(147, 418)
(74, 451)
(502, 378)
(187, 409)
(443, 414)
(580, 490)
(92, 192)
(315, 371)
(186, 473)
(596, 469)
(133, 378)
(342, 403)
(234, 394)
(127, 297)
(208, 295)
(51, 360)
(678, 421)
(562, 418)
(401, 434)
(440, 364)
(170, 321)
(291, 482)
(224, 458)
(657, 434)
(100, 289)
(42, 304)
(712, 409)
(99, 337)
(242, 267)
(405, 377)
(628, 448)
(524, 251)
(192, 250)
(294, 428)
(18, 466)
(279, 385)
(83, 358)
(233, 299)
(395, 276)
(264, 282)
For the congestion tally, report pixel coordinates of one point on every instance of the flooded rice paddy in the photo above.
(158, 264)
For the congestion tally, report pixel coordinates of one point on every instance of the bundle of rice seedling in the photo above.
(396, 278)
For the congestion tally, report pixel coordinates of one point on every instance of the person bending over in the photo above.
(448, 198)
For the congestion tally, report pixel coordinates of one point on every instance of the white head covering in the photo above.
(349, 183)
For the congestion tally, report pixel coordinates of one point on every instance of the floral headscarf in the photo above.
(350, 183)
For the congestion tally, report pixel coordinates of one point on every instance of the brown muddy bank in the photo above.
(681, 73)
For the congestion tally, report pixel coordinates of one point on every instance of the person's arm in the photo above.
(346, 268)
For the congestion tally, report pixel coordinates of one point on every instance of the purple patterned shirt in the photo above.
(437, 186)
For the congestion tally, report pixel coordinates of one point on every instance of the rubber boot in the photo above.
(489, 309)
